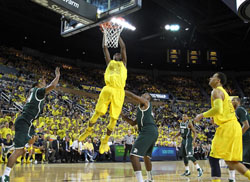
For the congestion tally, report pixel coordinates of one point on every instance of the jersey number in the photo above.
(182, 130)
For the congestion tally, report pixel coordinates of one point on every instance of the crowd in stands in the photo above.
(230, 86)
(65, 115)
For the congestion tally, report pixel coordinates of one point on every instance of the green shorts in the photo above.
(246, 152)
(187, 147)
(144, 144)
(23, 132)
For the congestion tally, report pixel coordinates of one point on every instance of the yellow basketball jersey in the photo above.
(228, 109)
(116, 74)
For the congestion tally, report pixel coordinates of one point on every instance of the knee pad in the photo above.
(112, 124)
(215, 167)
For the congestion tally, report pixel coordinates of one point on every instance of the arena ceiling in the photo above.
(212, 25)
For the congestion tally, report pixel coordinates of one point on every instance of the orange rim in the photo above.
(109, 24)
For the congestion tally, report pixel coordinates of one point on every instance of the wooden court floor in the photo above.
(108, 172)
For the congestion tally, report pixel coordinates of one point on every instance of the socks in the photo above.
(43, 157)
(197, 166)
(187, 168)
(247, 174)
(216, 180)
(138, 175)
(232, 174)
(149, 175)
(7, 171)
(34, 157)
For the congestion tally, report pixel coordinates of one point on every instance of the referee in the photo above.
(128, 142)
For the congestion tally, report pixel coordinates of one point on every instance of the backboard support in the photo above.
(105, 11)
(78, 10)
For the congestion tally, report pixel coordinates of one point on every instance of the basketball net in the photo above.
(112, 31)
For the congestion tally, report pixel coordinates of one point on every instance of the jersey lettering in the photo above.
(29, 98)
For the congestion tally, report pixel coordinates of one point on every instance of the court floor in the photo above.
(108, 172)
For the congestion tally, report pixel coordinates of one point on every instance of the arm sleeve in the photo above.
(241, 114)
(40, 93)
(217, 109)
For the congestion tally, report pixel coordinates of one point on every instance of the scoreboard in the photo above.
(193, 56)
(174, 56)
(212, 57)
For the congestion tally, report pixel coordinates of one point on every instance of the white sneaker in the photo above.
(86, 160)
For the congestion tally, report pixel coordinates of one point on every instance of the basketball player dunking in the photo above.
(112, 94)
(227, 141)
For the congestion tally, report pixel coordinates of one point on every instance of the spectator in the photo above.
(89, 150)
(49, 152)
(75, 152)
(66, 153)
(96, 149)
(56, 147)
(128, 142)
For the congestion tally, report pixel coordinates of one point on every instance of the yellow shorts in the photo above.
(37, 151)
(227, 142)
(114, 97)
(29, 149)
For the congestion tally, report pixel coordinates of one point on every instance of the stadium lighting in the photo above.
(123, 23)
(172, 28)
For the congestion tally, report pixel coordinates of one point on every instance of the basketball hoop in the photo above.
(112, 31)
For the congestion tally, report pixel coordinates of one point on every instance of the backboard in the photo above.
(106, 9)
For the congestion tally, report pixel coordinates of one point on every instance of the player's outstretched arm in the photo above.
(130, 121)
(123, 51)
(53, 84)
(218, 97)
(105, 51)
(178, 134)
(136, 98)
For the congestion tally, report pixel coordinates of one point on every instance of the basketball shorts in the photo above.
(113, 97)
(23, 132)
(144, 144)
(37, 151)
(246, 152)
(227, 142)
(187, 147)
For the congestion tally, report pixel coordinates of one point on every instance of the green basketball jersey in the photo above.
(34, 104)
(243, 115)
(145, 119)
(185, 130)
